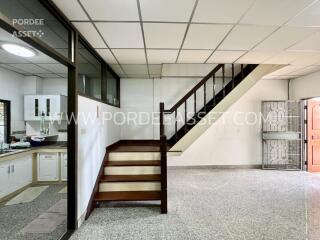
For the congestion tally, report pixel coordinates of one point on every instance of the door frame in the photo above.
(304, 123)
(6, 24)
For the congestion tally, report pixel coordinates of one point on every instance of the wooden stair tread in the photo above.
(131, 178)
(128, 196)
(133, 163)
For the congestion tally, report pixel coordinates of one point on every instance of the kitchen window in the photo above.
(4, 121)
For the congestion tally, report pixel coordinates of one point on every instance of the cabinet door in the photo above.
(21, 171)
(31, 108)
(48, 167)
(4, 179)
(64, 166)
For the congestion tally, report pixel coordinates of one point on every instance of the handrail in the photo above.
(194, 89)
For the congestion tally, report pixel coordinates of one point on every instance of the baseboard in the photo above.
(258, 166)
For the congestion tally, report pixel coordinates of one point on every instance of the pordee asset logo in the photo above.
(22, 22)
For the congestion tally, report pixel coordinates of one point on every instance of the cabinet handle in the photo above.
(9, 169)
(12, 168)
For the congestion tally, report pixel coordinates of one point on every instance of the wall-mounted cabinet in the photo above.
(52, 107)
(15, 174)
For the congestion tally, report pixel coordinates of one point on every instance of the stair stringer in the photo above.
(223, 106)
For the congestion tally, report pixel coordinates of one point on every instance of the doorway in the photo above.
(313, 135)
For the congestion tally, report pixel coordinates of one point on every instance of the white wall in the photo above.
(234, 143)
(94, 135)
(305, 87)
(12, 89)
(55, 86)
(145, 95)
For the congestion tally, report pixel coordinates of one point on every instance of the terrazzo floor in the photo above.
(14, 218)
(218, 204)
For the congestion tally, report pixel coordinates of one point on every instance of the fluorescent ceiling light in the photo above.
(18, 50)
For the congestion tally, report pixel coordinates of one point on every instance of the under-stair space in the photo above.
(132, 172)
(136, 170)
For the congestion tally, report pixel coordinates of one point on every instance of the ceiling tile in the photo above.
(306, 70)
(162, 35)
(166, 10)
(139, 76)
(18, 70)
(193, 56)
(284, 38)
(54, 67)
(225, 56)
(117, 69)
(190, 70)
(119, 10)
(121, 35)
(48, 75)
(29, 67)
(273, 12)
(162, 56)
(6, 57)
(308, 18)
(107, 56)
(135, 69)
(256, 57)
(217, 11)
(306, 58)
(286, 70)
(309, 44)
(204, 36)
(71, 9)
(90, 33)
(155, 69)
(282, 58)
(244, 37)
(130, 56)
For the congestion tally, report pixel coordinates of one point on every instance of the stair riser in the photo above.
(131, 170)
(129, 186)
(135, 156)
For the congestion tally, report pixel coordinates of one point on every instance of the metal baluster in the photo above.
(223, 81)
(185, 115)
(214, 89)
(195, 103)
(176, 124)
(242, 74)
(205, 96)
(232, 76)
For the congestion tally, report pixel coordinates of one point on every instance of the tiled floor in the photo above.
(18, 220)
(218, 204)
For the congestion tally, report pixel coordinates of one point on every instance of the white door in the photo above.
(64, 166)
(48, 167)
(4, 178)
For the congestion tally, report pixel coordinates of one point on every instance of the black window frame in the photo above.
(7, 119)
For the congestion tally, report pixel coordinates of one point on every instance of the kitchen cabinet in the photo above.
(15, 174)
(48, 165)
(53, 107)
(64, 166)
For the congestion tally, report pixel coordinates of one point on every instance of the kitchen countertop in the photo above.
(56, 147)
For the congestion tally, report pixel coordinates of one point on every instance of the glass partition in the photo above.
(32, 16)
(89, 73)
(111, 89)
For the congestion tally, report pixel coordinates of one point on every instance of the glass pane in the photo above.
(32, 16)
(1, 113)
(89, 73)
(111, 91)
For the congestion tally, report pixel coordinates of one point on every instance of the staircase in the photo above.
(137, 170)
(132, 172)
